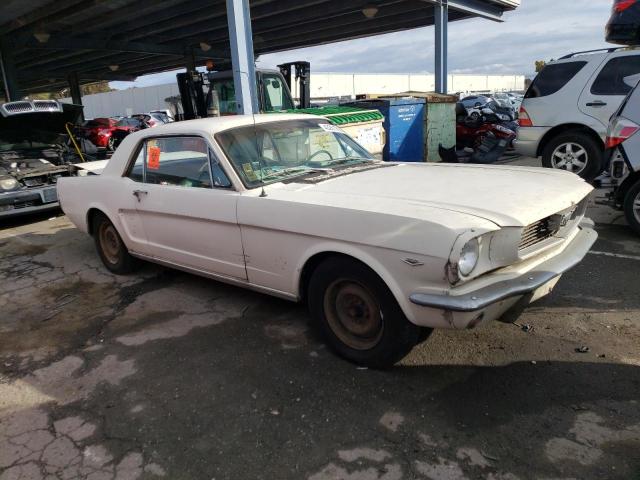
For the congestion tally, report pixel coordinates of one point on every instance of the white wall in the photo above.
(127, 102)
(341, 84)
(323, 85)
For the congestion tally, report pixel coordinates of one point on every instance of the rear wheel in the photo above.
(632, 207)
(358, 315)
(112, 250)
(575, 152)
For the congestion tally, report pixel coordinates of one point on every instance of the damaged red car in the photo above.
(106, 132)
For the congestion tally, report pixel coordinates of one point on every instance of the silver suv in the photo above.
(566, 110)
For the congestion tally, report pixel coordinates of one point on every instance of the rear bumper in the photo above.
(14, 204)
(528, 140)
(493, 301)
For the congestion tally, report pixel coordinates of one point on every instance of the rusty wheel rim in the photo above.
(353, 314)
(109, 243)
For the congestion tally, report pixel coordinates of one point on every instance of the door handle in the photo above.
(138, 193)
(597, 103)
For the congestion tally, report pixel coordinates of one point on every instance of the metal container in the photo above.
(363, 125)
(439, 121)
(403, 124)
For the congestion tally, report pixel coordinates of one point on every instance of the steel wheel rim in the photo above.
(353, 314)
(109, 243)
(570, 156)
(636, 207)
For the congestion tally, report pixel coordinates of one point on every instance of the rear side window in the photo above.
(178, 161)
(552, 78)
(610, 80)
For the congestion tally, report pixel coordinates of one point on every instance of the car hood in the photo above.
(504, 195)
(43, 121)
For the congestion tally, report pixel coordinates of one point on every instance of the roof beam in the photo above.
(98, 43)
(477, 8)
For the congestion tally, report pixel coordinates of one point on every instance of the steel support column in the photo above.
(242, 58)
(441, 12)
(74, 90)
(9, 73)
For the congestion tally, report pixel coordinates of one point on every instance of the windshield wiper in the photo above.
(292, 171)
(342, 161)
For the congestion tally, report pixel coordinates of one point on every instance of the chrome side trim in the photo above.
(527, 283)
(220, 278)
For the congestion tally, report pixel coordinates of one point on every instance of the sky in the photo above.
(538, 30)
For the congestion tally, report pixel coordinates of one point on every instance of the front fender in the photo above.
(390, 265)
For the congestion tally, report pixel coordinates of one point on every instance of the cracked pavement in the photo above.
(162, 374)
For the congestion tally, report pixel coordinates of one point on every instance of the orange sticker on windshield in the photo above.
(153, 158)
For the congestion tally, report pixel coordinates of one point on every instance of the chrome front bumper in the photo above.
(526, 284)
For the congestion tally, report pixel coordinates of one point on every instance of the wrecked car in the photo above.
(289, 205)
(34, 154)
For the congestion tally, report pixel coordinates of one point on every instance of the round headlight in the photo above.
(469, 257)
(8, 183)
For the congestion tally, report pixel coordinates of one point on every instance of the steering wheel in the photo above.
(318, 153)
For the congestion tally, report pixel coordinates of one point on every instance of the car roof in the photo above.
(596, 55)
(204, 127)
(214, 125)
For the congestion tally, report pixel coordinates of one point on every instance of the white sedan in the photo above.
(291, 206)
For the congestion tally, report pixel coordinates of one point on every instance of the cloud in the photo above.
(538, 30)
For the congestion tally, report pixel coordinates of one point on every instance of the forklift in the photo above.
(212, 94)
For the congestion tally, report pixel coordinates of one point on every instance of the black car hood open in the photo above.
(44, 121)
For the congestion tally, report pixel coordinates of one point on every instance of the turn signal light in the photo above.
(620, 129)
(524, 120)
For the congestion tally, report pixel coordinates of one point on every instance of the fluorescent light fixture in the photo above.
(205, 46)
(114, 68)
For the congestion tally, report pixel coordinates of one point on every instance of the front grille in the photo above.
(538, 232)
(558, 225)
(28, 106)
(34, 181)
(46, 106)
(17, 107)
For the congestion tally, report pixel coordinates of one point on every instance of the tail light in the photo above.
(524, 120)
(620, 129)
(622, 5)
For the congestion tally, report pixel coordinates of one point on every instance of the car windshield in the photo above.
(277, 151)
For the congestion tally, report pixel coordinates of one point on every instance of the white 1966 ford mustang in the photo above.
(291, 206)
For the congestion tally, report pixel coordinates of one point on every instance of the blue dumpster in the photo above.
(404, 126)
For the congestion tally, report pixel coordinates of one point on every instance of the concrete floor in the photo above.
(163, 374)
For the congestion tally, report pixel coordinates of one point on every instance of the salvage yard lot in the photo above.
(164, 374)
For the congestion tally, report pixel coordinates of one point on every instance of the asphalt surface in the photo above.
(164, 374)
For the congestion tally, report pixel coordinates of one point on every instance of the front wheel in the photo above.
(112, 250)
(632, 207)
(575, 152)
(358, 315)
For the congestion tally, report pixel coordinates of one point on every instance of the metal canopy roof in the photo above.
(122, 39)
